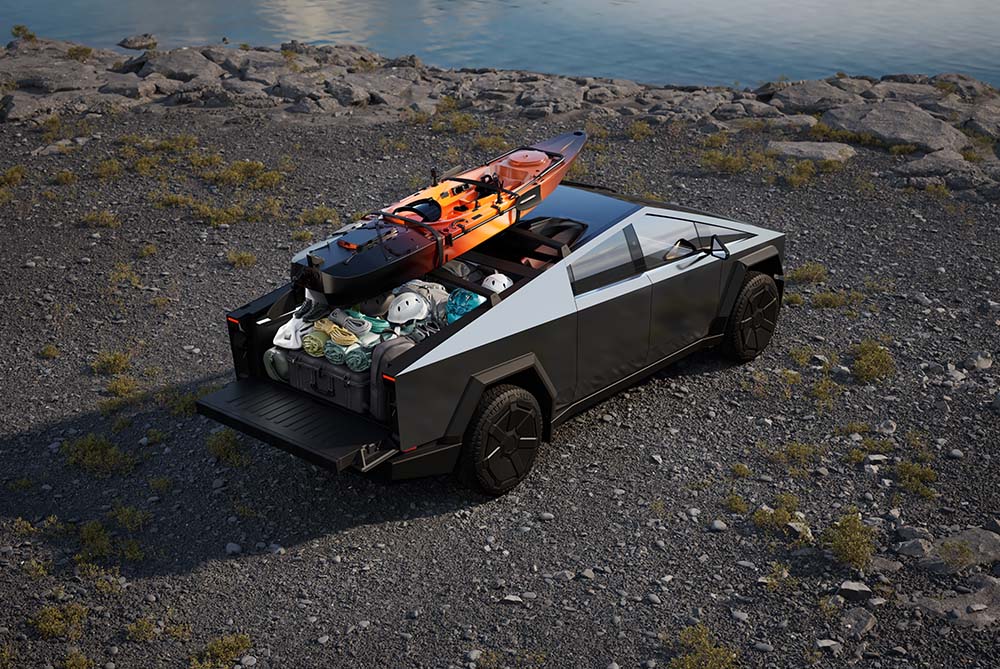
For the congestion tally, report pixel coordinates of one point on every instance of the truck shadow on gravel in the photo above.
(167, 504)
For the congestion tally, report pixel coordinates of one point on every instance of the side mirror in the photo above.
(718, 249)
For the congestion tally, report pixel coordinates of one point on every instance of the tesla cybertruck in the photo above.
(586, 294)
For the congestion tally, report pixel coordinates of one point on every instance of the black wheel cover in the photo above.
(754, 317)
(760, 318)
(510, 444)
(502, 440)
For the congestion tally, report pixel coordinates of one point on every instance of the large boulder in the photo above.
(985, 119)
(964, 85)
(812, 150)
(979, 608)
(182, 65)
(897, 90)
(896, 122)
(51, 76)
(298, 86)
(957, 172)
(973, 546)
(812, 96)
(128, 85)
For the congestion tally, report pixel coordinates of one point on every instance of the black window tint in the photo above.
(726, 235)
(610, 261)
(664, 240)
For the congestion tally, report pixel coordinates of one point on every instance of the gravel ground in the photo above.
(606, 552)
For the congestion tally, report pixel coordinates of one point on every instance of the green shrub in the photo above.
(802, 172)
(12, 176)
(65, 178)
(111, 362)
(851, 541)
(147, 251)
(835, 299)
(729, 163)
(108, 169)
(20, 31)
(700, 651)
(956, 554)
(141, 631)
(736, 504)
(101, 219)
(123, 386)
(808, 272)
(914, 478)
(740, 470)
(129, 517)
(872, 362)
(638, 131)
(76, 660)
(241, 259)
(902, 149)
(222, 652)
(225, 447)
(79, 53)
(49, 352)
(320, 215)
(462, 123)
(96, 455)
(65, 621)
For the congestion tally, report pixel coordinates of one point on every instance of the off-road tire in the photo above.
(754, 318)
(501, 441)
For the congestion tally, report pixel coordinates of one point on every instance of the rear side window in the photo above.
(664, 240)
(613, 260)
(726, 235)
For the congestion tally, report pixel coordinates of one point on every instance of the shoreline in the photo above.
(947, 124)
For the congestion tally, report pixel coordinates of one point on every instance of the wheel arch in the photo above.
(525, 371)
(766, 260)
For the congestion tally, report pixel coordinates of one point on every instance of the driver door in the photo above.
(685, 284)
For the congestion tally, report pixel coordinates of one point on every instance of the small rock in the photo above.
(857, 622)
(718, 526)
(854, 591)
(141, 42)
(233, 549)
(956, 454)
(248, 660)
(545, 515)
(829, 646)
(512, 599)
(473, 655)
(763, 647)
(323, 640)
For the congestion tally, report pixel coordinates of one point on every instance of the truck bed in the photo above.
(324, 434)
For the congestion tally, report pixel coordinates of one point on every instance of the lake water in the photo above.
(666, 41)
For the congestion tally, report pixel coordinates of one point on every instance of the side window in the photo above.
(726, 235)
(614, 259)
(664, 240)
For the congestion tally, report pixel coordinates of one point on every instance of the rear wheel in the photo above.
(754, 317)
(502, 440)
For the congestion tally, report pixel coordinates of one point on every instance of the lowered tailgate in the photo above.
(321, 433)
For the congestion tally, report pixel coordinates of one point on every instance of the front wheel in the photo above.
(502, 440)
(754, 317)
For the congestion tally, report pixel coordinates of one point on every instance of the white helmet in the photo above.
(497, 282)
(407, 307)
(290, 334)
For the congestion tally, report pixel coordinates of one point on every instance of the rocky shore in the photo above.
(834, 503)
(947, 124)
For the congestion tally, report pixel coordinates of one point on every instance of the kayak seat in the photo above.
(425, 211)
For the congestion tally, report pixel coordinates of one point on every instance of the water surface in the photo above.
(655, 41)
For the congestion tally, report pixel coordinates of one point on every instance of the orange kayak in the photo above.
(436, 224)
